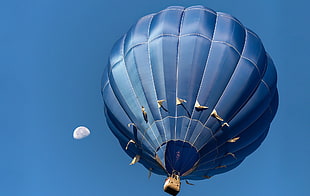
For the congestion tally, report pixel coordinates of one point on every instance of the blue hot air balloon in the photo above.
(189, 93)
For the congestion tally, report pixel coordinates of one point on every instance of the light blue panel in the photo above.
(161, 153)
(167, 46)
(166, 22)
(123, 90)
(121, 130)
(163, 52)
(123, 137)
(164, 25)
(197, 20)
(200, 134)
(182, 127)
(120, 99)
(191, 65)
(116, 53)
(157, 50)
(138, 34)
(139, 70)
(112, 104)
(204, 136)
(196, 30)
(120, 124)
(133, 150)
(166, 123)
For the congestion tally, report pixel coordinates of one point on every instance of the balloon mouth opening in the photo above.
(179, 157)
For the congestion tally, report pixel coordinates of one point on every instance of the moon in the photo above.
(80, 132)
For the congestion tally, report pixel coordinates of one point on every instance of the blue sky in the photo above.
(52, 55)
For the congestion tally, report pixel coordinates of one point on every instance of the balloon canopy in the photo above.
(189, 92)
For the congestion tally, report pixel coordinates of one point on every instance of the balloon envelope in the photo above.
(81, 132)
(191, 91)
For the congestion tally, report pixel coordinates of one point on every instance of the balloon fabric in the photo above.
(190, 92)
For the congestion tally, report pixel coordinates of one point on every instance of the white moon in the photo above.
(80, 132)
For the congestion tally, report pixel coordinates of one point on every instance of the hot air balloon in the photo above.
(189, 93)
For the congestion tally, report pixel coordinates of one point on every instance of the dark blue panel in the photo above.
(213, 172)
(215, 79)
(237, 92)
(225, 161)
(254, 51)
(270, 77)
(251, 111)
(180, 157)
(206, 174)
(229, 31)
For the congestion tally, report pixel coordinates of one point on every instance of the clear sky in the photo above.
(52, 55)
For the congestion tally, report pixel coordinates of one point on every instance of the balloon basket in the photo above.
(172, 185)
